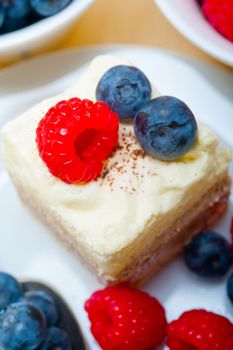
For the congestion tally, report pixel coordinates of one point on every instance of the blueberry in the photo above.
(46, 8)
(56, 338)
(166, 128)
(10, 290)
(22, 327)
(125, 89)
(17, 14)
(45, 303)
(208, 255)
(2, 15)
(230, 287)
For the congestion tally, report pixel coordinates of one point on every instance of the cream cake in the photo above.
(140, 212)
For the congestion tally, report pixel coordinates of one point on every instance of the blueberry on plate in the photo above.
(230, 288)
(125, 89)
(10, 290)
(56, 338)
(22, 327)
(17, 14)
(208, 255)
(47, 8)
(166, 128)
(45, 303)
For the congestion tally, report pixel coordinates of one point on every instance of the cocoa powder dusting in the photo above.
(129, 152)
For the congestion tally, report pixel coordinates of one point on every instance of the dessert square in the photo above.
(140, 212)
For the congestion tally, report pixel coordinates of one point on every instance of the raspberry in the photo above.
(220, 14)
(75, 137)
(126, 319)
(200, 330)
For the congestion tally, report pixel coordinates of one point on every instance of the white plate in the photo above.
(187, 17)
(29, 251)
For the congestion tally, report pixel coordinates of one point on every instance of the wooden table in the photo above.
(131, 21)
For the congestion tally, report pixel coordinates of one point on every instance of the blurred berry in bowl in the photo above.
(31, 26)
(46, 8)
(34, 317)
(219, 13)
(15, 14)
(208, 24)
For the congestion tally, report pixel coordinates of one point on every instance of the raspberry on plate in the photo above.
(126, 319)
(75, 137)
(200, 330)
(220, 14)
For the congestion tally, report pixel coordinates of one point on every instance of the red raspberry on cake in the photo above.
(220, 14)
(75, 137)
(200, 330)
(126, 319)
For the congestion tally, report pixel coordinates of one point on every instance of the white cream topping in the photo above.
(107, 214)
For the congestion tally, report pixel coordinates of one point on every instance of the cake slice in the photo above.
(140, 212)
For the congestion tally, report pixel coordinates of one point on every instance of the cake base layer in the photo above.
(176, 245)
(208, 212)
(202, 215)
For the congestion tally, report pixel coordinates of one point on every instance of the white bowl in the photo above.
(187, 17)
(42, 34)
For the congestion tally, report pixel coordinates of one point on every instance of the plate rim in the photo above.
(88, 48)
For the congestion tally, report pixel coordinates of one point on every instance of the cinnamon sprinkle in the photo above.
(125, 156)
